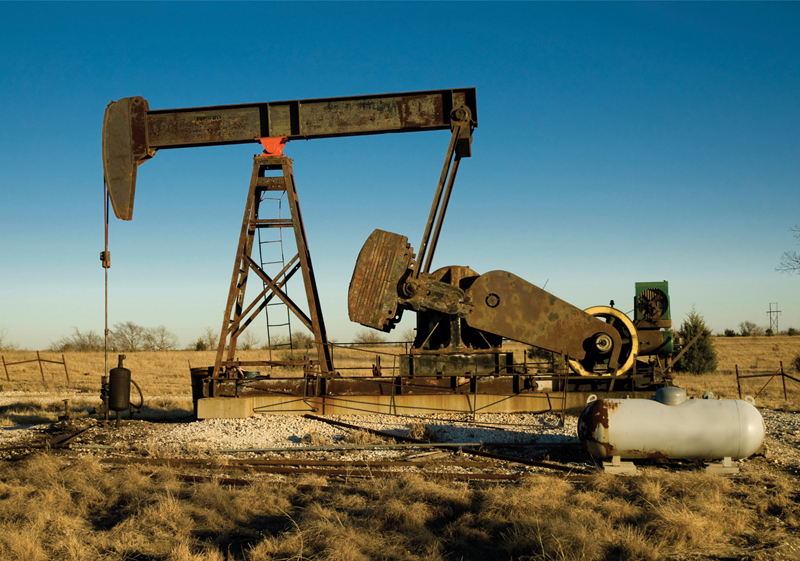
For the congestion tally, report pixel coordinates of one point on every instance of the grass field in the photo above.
(71, 507)
(54, 508)
(164, 375)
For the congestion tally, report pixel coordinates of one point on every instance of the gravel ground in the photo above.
(540, 436)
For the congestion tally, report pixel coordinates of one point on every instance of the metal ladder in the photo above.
(271, 267)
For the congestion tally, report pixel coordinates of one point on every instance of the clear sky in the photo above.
(617, 142)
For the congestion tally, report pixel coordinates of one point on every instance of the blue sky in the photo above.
(617, 142)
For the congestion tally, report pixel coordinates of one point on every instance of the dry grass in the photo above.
(39, 410)
(752, 355)
(58, 508)
(164, 376)
(164, 373)
(54, 508)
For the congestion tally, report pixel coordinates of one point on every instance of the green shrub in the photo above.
(730, 333)
(701, 356)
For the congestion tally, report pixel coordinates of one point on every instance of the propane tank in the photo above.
(119, 389)
(671, 426)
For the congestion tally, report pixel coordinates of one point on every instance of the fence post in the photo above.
(783, 379)
(738, 385)
(64, 360)
(39, 360)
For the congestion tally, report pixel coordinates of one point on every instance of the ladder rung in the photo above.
(271, 183)
(273, 222)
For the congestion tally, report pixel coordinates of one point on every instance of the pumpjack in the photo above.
(463, 317)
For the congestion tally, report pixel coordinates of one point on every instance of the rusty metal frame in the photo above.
(238, 316)
(778, 372)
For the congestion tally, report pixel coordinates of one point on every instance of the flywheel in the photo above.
(595, 363)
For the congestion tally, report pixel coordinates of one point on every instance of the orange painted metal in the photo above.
(273, 145)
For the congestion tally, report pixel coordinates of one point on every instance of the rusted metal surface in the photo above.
(124, 148)
(306, 119)
(509, 306)
(256, 465)
(132, 133)
(460, 311)
(238, 315)
(372, 297)
(596, 359)
(460, 145)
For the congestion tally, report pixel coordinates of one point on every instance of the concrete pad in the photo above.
(724, 468)
(224, 407)
(618, 467)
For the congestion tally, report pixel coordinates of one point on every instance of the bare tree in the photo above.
(408, 335)
(750, 329)
(5, 344)
(790, 260)
(127, 337)
(78, 342)
(159, 339)
(368, 337)
(248, 341)
(276, 341)
(210, 338)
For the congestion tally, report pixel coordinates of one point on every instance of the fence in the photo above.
(771, 376)
(39, 360)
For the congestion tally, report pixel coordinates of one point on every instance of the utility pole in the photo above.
(773, 317)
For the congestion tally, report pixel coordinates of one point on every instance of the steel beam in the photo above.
(132, 133)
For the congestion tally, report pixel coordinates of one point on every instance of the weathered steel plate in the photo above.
(372, 299)
(508, 305)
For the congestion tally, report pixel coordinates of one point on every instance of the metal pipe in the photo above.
(442, 212)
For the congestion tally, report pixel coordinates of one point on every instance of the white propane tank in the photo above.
(671, 426)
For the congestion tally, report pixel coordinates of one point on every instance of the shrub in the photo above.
(792, 332)
(701, 356)
(750, 329)
(78, 342)
(796, 363)
(159, 339)
(730, 333)
(199, 345)
(368, 337)
(302, 340)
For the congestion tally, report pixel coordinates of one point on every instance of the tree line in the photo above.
(750, 329)
(124, 337)
(130, 337)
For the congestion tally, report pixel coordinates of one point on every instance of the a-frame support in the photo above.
(238, 315)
